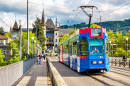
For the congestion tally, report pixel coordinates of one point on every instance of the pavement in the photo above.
(37, 76)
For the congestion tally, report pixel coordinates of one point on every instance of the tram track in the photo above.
(107, 79)
(116, 80)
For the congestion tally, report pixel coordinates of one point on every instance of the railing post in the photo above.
(129, 63)
(115, 62)
(119, 63)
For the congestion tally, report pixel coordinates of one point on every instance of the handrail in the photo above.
(56, 78)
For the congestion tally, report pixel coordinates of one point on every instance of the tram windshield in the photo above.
(96, 46)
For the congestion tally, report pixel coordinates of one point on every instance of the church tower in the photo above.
(56, 36)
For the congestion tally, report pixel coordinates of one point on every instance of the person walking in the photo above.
(124, 60)
(40, 57)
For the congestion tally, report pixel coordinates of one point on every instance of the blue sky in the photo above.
(62, 9)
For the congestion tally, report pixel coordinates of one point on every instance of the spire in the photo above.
(43, 18)
(15, 26)
(56, 22)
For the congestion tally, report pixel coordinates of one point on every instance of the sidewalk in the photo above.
(36, 77)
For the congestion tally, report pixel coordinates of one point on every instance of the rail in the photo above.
(54, 75)
(11, 73)
(119, 62)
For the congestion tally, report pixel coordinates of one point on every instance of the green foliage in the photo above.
(95, 25)
(1, 58)
(40, 32)
(8, 35)
(128, 53)
(111, 36)
(64, 37)
(73, 31)
(119, 52)
(1, 31)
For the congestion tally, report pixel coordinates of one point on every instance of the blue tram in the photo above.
(86, 49)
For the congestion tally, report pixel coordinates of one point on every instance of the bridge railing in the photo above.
(119, 62)
(54, 75)
(11, 73)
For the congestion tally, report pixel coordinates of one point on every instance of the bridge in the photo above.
(53, 73)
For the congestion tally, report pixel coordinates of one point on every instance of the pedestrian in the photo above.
(44, 56)
(124, 59)
(40, 57)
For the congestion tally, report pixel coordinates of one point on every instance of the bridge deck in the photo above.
(36, 77)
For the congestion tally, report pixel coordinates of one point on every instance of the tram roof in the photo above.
(80, 31)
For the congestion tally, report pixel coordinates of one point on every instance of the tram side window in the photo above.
(65, 49)
(83, 47)
(74, 51)
(107, 46)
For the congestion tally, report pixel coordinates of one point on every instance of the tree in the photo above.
(8, 35)
(40, 32)
(111, 36)
(1, 31)
(1, 58)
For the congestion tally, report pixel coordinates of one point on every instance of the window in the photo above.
(65, 49)
(74, 48)
(0, 41)
(96, 46)
(56, 40)
(106, 46)
(56, 45)
(56, 34)
(83, 47)
(4, 51)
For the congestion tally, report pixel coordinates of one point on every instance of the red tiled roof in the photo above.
(1, 36)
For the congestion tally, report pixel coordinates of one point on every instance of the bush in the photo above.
(119, 52)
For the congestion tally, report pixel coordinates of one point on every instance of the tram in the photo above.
(86, 49)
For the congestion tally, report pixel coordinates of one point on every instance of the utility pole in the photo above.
(27, 34)
(89, 15)
(100, 20)
(36, 36)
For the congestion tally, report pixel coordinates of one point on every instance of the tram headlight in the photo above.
(94, 62)
(100, 62)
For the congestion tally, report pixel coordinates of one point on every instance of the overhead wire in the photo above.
(4, 22)
(113, 11)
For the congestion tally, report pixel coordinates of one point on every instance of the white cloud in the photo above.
(63, 9)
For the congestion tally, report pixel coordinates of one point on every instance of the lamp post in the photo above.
(20, 25)
(32, 46)
(68, 24)
(35, 48)
(110, 48)
(127, 45)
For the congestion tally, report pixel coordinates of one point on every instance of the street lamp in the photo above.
(110, 48)
(68, 24)
(127, 45)
(20, 26)
(35, 48)
(32, 45)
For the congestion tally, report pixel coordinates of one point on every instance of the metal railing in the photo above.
(119, 62)
(54, 75)
(11, 73)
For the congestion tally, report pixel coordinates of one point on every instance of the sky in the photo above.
(63, 10)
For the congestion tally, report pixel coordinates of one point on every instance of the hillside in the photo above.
(123, 26)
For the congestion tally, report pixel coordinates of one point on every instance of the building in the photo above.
(53, 33)
(15, 30)
(4, 46)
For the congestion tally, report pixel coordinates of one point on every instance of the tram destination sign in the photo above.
(96, 32)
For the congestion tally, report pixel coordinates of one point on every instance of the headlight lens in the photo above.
(100, 62)
(94, 62)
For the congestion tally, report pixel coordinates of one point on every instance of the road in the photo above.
(116, 76)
